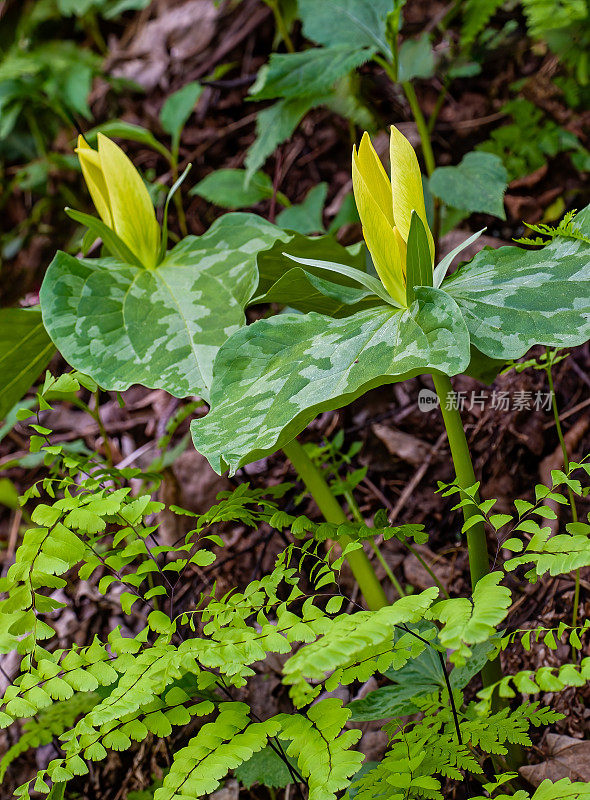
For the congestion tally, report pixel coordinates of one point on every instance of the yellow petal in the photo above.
(92, 172)
(131, 206)
(379, 236)
(370, 167)
(406, 182)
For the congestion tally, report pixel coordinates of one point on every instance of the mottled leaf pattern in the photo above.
(162, 327)
(273, 377)
(512, 298)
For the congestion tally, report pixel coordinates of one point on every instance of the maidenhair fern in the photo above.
(183, 669)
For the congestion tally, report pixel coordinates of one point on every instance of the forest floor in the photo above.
(403, 447)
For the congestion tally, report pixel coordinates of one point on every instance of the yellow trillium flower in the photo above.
(121, 197)
(385, 207)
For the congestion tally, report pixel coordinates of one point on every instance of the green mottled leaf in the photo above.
(161, 328)
(273, 377)
(25, 351)
(477, 184)
(307, 216)
(355, 23)
(512, 298)
(227, 188)
(307, 73)
(415, 59)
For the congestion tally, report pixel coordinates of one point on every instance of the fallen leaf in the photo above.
(568, 758)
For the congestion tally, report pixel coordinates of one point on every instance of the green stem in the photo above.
(417, 555)
(422, 127)
(566, 465)
(280, 23)
(476, 536)
(102, 429)
(388, 571)
(320, 491)
(356, 513)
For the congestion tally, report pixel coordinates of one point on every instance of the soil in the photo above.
(404, 448)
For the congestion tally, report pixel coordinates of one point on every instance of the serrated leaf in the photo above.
(25, 351)
(512, 298)
(273, 125)
(352, 23)
(162, 327)
(477, 184)
(273, 377)
(310, 72)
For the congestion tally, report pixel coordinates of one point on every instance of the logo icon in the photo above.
(427, 400)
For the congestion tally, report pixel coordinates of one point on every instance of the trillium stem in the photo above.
(476, 537)
(477, 545)
(317, 486)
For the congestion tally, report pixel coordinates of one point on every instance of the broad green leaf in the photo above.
(273, 125)
(275, 262)
(111, 241)
(307, 73)
(347, 215)
(361, 278)
(312, 288)
(388, 702)
(512, 298)
(304, 291)
(421, 676)
(161, 328)
(25, 351)
(477, 184)
(418, 260)
(273, 377)
(264, 767)
(307, 216)
(178, 108)
(354, 23)
(119, 129)
(227, 188)
(441, 268)
(415, 59)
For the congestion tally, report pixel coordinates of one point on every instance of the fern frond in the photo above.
(356, 646)
(322, 747)
(476, 15)
(218, 747)
(469, 621)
